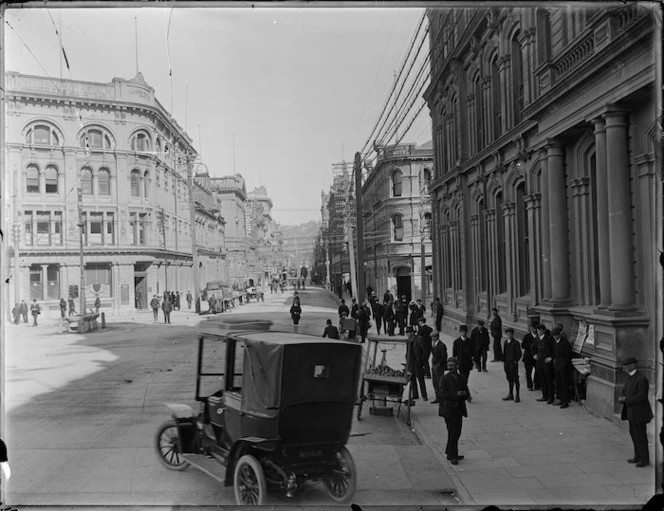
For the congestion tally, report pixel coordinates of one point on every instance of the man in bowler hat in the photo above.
(562, 362)
(463, 350)
(636, 411)
(544, 356)
(438, 363)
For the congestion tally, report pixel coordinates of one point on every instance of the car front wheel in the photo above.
(340, 484)
(166, 445)
(249, 482)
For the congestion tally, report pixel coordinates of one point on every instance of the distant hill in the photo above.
(299, 243)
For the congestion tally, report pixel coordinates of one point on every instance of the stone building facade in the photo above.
(117, 146)
(546, 197)
(397, 211)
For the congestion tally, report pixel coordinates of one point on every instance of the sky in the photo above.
(280, 94)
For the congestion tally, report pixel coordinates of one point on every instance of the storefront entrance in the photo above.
(404, 282)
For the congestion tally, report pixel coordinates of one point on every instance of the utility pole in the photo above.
(81, 225)
(192, 220)
(360, 228)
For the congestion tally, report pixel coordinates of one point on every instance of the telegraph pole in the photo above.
(194, 246)
(81, 225)
(360, 228)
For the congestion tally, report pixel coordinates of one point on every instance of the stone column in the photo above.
(602, 187)
(504, 69)
(511, 253)
(44, 279)
(558, 228)
(620, 213)
(491, 259)
(544, 230)
(533, 210)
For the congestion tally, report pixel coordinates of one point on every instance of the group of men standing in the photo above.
(21, 311)
(392, 314)
(170, 302)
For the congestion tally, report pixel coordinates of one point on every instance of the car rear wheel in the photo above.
(249, 482)
(341, 483)
(166, 445)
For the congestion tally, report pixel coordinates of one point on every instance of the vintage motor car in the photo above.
(275, 410)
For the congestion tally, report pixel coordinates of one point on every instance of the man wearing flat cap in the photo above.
(562, 360)
(511, 357)
(636, 411)
(480, 338)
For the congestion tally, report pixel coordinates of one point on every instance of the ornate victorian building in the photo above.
(397, 213)
(546, 196)
(116, 146)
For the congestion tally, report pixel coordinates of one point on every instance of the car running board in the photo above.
(211, 466)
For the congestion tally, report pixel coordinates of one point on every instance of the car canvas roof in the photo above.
(283, 338)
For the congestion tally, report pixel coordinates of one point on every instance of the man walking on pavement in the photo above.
(63, 307)
(439, 313)
(453, 394)
(544, 357)
(400, 315)
(24, 311)
(636, 411)
(72, 306)
(97, 305)
(424, 331)
(562, 360)
(497, 334)
(388, 318)
(167, 307)
(480, 338)
(177, 300)
(16, 312)
(378, 309)
(189, 299)
(511, 357)
(438, 363)
(154, 303)
(528, 345)
(462, 350)
(35, 309)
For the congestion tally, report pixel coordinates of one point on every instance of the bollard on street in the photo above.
(103, 320)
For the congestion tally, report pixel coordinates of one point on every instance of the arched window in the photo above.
(95, 138)
(135, 183)
(495, 99)
(397, 227)
(104, 182)
(32, 179)
(86, 181)
(42, 134)
(517, 77)
(146, 180)
(397, 181)
(140, 142)
(51, 179)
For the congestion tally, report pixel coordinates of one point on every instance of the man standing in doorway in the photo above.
(497, 334)
(637, 411)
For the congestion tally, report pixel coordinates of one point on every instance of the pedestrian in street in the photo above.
(453, 395)
(636, 411)
(424, 331)
(480, 338)
(296, 312)
(439, 313)
(544, 357)
(363, 317)
(415, 362)
(35, 309)
(24, 311)
(4, 461)
(63, 307)
(562, 362)
(438, 362)
(422, 308)
(527, 346)
(354, 308)
(189, 299)
(378, 310)
(177, 300)
(343, 309)
(154, 303)
(97, 305)
(400, 315)
(388, 318)
(16, 313)
(72, 306)
(331, 331)
(387, 297)
(511, 356)
(463, 350)
(497, 334)
(167, 307)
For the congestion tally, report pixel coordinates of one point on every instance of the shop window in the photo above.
(99, 273)
(32, 179)
(36, 284)
(104, 182)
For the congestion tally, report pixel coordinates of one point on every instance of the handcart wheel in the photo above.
(341, 483)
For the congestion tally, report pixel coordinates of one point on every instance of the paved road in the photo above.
(83, 410)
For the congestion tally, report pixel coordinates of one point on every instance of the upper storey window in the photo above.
(140, 142)
(397, 183)
(42, 134)
(95, 138)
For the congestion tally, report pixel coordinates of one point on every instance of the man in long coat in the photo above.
(378, 309)
(439, 313)
(480, 337)
(497, 334)
(453, 395)
(511, 357)
(637, 411)
(562, 365)
(424, 331)
(438, 363)
(463, 350)
(527, 345)
(414, 355)
(543, 354)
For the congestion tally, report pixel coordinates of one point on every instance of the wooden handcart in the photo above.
(379, 383)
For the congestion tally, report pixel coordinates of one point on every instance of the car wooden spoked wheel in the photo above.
(166, 444)
(341, 483)
(249, 482)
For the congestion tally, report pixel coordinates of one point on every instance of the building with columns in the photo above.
(546, 198)
(117, 146)
(397, 217)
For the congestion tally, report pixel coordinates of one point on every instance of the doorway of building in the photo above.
(140, 291)
(404, 282)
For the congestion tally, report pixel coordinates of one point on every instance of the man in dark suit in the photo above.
(453, 394)
(637, 411)
(527, 345)
(331, 331)
(424, 331)
(343, 308)
(497, 334)
(414, 356)
(400, 315)
(354, 308)
(463, 350)
(562, 362)
(439, 313)
(511, 357)
(378, 309)
(438, 363)
(544, 356)
(480, 338)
